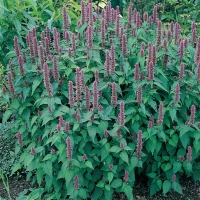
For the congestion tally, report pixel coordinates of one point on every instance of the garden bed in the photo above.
(191, 190)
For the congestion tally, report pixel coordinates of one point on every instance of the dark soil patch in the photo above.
(16, 186)
(141, 191)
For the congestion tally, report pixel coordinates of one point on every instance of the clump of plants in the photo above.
(115, 98)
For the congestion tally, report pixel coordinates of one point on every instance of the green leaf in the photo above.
(82, 193)
(89, 164)
(184, 129)
(69, 174)
(39, 175)
(176, 167)
(47, 167)
(128, 190)
(172, 112)
(161, 86)
(166, 186)
(115, 149)
(16, 167)
(47, 157)
(153, 188)
(116, 183)
(176, 186)
(6, 116)
(110, 176)
(92, 132)
(124, 156)
(126, 67)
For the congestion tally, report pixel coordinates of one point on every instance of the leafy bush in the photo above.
(17, 17)
(112, 99)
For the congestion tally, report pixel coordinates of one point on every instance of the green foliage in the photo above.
(17, 17)
(35, 114)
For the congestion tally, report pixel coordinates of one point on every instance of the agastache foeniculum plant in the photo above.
(110, 97)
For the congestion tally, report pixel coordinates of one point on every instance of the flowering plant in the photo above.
(116, 97)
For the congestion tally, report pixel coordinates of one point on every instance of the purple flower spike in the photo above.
(4, 90)
(177, 92)
(103, 33)
(114, 95)
(56, 74)
(138, 20)
(159, 33)
(90, 14)
(181, 49)
(78, 86)
(10, 84)
(154, 55)
(198, 72)
(53, 151)
(42, 38)
(173, 177)
(73, 43)
(69, 52)
(139, 94)
(181, 72)
(87, 97)
(124, 44)
(69, 148)
(137, 72)
(192, 115)
(160, 114)
(48, 34)
(78, 118)
(47, 48)
(177, 33)
(139, 145)
(84, 157)
(96, 75)
(169, 35)
(142, 52)
(193, 32)
(89, 37)
(71, 94)
(155, 14)
(165, 44)
(83, 14)
(189, 154)
(117, 24)
(35, 47)
(61, 121)
(145, 16)
(55, 39)
(66, 130)
(126, 176)
(21, 67)
(47, 83)
(65, 19)
(95, 95)
(129, 16)
(16, 46)
(32, 152)
(42, 59)
(19, 138)
(134, 15)
(197, 53)
(121, 117)
(105, 133)
(151, 71)
(58, 127)
(112, 64)
(107, 63)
